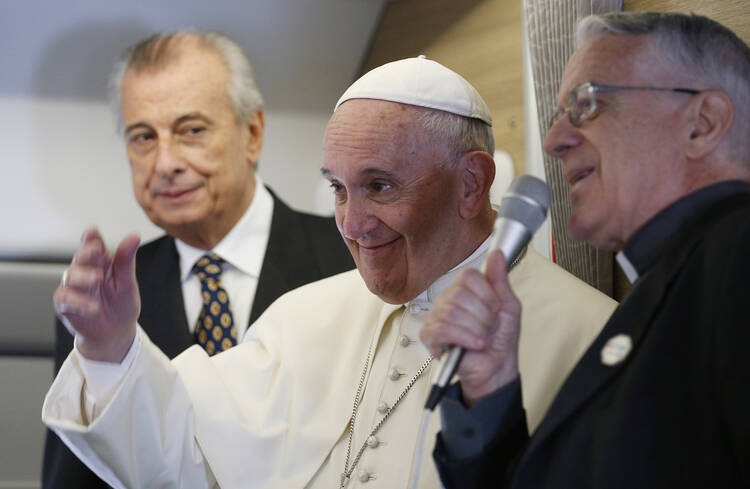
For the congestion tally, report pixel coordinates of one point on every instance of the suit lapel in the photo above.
(162, 306)
(287, 261)
(590, 374)
(272, 283)
(633, 318)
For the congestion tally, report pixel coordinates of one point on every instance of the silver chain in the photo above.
(346, 474)
(357, 399)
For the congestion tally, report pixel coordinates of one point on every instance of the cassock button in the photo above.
(366, 476)
(404, 340)
(395, 374)
(372, 441)
(382, 407)
(616, 349)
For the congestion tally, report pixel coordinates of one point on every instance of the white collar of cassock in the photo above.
(630, 272)
(438, 286)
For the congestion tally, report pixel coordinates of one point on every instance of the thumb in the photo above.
(497, 274)
(123, 262)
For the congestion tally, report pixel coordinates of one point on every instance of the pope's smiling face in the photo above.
(395, 197)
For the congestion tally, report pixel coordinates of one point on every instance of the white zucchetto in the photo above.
(422, 82)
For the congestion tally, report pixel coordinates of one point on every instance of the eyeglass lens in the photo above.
(582, 103)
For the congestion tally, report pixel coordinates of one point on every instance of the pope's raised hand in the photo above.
(98, 297)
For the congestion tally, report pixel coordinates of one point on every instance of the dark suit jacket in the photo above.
(676, 412)
(302, 248)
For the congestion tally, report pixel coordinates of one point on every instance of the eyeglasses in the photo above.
(582, 103)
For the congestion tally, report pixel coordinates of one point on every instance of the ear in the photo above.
(254, 133)
(711, 115)
(477, 172)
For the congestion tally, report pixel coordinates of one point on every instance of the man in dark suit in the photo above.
(652, 133)
(193, 122)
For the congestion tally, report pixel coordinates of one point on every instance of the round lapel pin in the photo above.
(616, 349)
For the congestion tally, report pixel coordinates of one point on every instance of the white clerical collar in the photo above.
(245, 245)
(627, 267)
(442, 283)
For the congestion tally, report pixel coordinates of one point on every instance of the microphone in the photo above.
(523, 209)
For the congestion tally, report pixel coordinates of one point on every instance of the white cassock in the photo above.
(274, 411)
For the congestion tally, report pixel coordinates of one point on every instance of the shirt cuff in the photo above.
(466, 432)
(103, 378)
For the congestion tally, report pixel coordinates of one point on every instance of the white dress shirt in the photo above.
(243, 250)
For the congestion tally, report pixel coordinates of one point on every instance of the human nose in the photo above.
(168, 161)
(355, 219)
(561, 137)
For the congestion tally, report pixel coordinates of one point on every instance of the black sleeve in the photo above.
(731, 332)
(493, 467)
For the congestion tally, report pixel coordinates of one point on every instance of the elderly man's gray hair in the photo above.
(706, 52)
(458, 133)
(160, 49)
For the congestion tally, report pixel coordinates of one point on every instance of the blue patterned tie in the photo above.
(215, 330)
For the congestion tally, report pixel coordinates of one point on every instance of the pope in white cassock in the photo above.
(332, 379)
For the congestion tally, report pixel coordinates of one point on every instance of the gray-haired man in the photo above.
(193, 122)
(652, 133)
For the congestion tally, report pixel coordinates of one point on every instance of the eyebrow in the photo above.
(378, 172)
(367, 171)
(180, 120)
(137, 125)
(190, 117)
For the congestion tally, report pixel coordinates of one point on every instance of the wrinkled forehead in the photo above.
(366, 111)
(371, 123)
(367, 133)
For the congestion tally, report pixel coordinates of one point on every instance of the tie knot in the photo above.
(208, 266)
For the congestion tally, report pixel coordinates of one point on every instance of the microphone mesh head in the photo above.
(526, 201)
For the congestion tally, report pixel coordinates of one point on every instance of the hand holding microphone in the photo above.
(479, 313)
